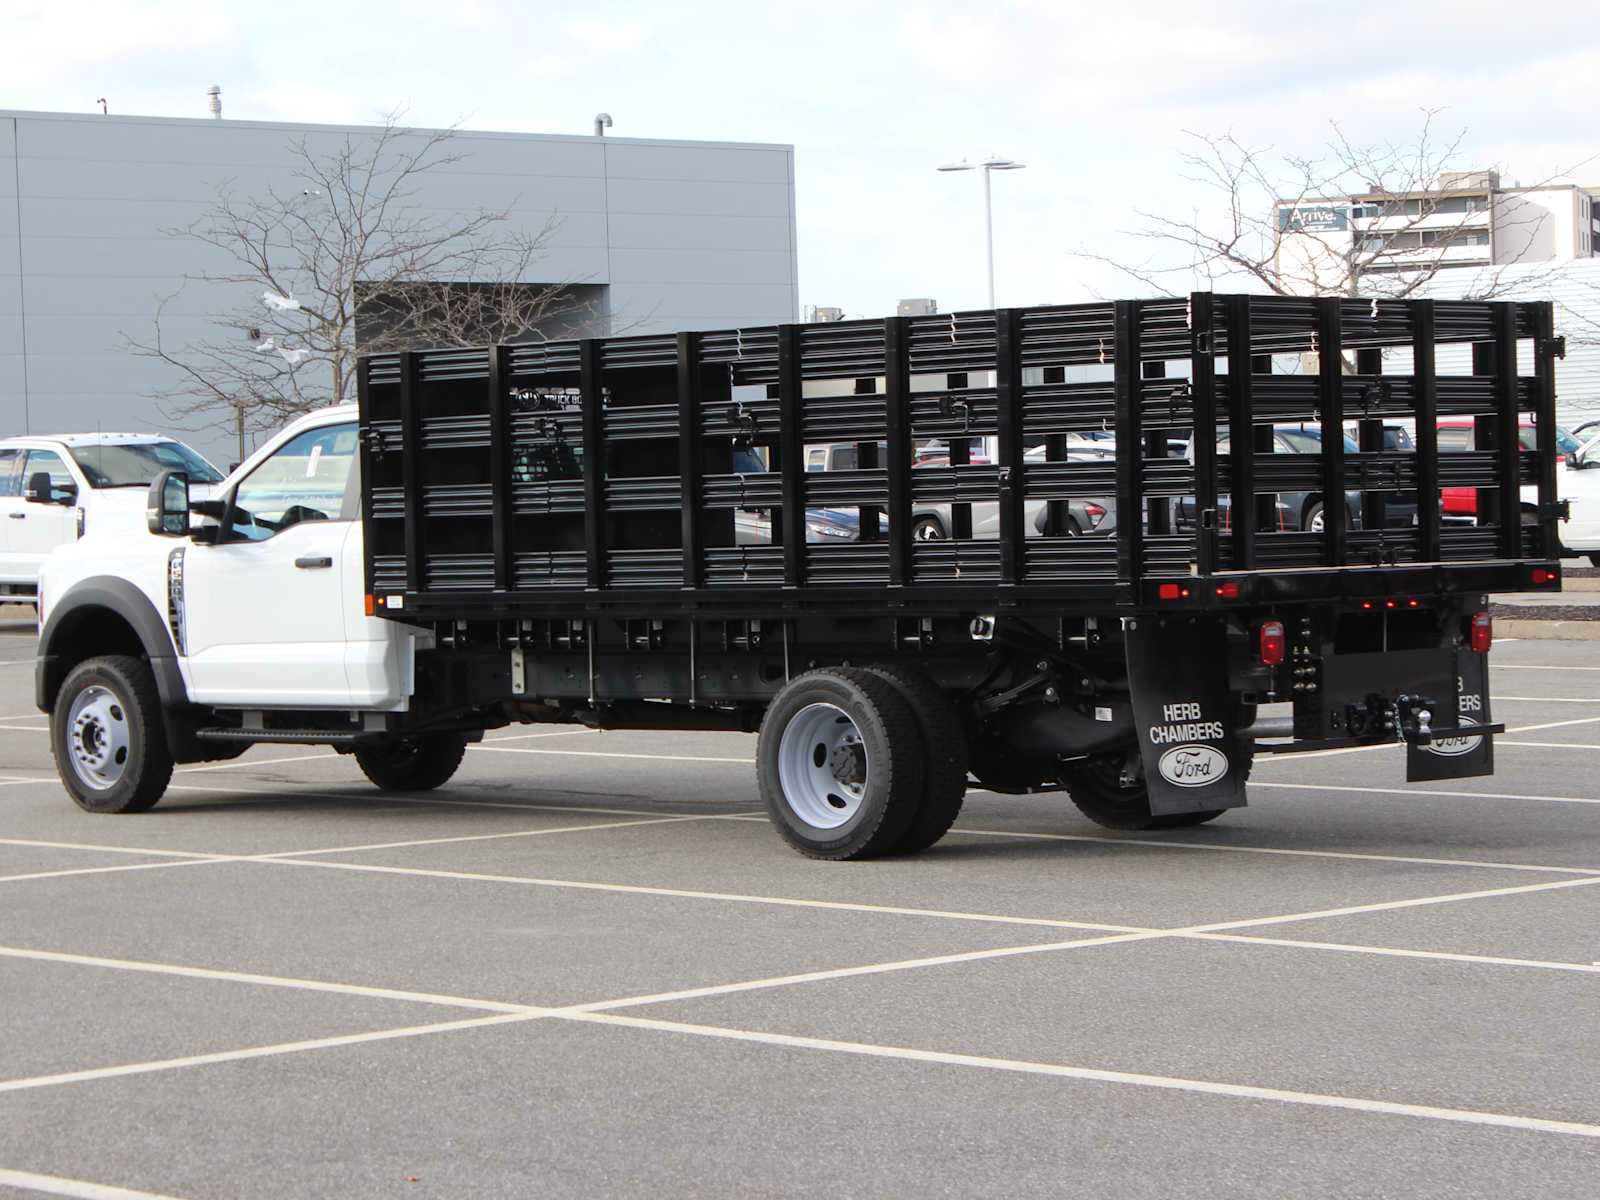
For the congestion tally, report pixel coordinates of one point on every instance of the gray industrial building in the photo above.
(660, 235)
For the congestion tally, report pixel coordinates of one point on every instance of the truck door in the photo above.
(36, 529)
(11, 515)
(265, 609)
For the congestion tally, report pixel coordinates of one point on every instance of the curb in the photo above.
(1527, 627)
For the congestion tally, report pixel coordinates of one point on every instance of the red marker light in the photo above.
(1366, 604)
(1227, 591)
(1168, 591)
(1544, 575)
(1390, 604)
(1272, 643)
(1413, 603)
(1482, 633)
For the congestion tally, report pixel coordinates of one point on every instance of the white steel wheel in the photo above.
(99, 738)
(823, 766)
(927, 529)
(841, 763)
(107, 735)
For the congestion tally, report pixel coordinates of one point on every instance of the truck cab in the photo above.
(256, 615)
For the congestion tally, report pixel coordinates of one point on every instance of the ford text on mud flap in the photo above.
(1189, 750)
(1444, 755)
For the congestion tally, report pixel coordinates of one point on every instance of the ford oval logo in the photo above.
(1193, 765)
(1454, 747)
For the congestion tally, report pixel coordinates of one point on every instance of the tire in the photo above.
(107, 736)
(841, 764)
(412, 764)
(1312, 522)
(928, 529)
(1096, 787)
(948, 760)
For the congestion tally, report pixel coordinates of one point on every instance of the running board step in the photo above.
(320, 737)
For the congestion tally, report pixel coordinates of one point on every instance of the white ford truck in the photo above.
(550, 532)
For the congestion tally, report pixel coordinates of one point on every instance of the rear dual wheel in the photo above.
(859, 762)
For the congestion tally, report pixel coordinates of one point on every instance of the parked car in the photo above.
(1457, 435)
(55, 486)
(932, 522)
(1305, 511)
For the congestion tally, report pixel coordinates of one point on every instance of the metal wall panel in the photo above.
(701, 231)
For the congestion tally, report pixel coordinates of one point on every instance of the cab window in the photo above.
(303, 480)
(10, 485)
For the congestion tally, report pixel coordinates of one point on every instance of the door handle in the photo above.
(312, 562)
(18, 516)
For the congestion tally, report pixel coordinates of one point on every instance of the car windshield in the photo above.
(131, 464)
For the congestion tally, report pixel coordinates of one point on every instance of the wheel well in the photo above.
(83, 634)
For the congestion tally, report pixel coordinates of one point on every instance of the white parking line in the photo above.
(1351, 855)
(8, 841)
(1396, 952)
(1550, 745)
(1407, 791)
(476, 837)
(58, 1185)
(732, 897)
(278, 981)
(1548, 699)
(701, 758)
(1237, 1091)
(1531, 667)
(197, 1060)
(182, 862)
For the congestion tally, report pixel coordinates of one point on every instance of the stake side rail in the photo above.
(1075, 458)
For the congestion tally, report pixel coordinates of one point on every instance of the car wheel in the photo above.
(412, 764)
(927, 529)
(106, 733)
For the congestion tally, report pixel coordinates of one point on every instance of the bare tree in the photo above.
(1356, 220)
(343, 258)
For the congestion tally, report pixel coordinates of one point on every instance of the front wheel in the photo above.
(106, 734)
(927, 529)
(412, 764)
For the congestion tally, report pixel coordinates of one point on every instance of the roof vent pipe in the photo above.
(215, 93)
(602, 122)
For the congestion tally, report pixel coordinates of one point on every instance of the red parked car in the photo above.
(1455, 434)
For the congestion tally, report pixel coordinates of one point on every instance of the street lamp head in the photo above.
(1002, 164)
(963, 165)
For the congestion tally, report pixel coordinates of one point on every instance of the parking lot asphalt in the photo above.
(587, 967)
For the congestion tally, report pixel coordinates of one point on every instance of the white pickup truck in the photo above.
(55, 487)
(155, 650)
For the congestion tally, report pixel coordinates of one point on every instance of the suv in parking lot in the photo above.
(54, 486)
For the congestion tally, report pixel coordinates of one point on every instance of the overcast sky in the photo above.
(1094, 98)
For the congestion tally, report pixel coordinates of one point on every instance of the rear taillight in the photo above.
(1544, 576)
(1272, 643)
(1096, 513)
(1482, 635)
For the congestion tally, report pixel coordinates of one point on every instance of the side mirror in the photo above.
(166, 511)
(41, 491)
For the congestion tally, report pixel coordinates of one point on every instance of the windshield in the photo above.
(130, 464)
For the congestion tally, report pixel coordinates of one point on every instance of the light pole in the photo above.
(992, 163)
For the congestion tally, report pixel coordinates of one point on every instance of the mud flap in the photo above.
(1459, 758)
(1178, 675)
